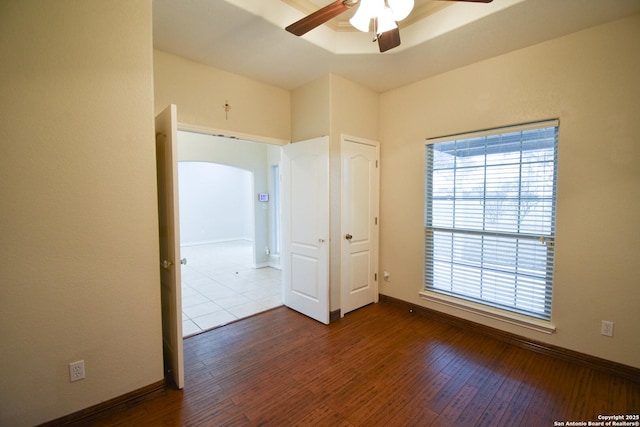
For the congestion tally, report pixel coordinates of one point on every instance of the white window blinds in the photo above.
(490, 217)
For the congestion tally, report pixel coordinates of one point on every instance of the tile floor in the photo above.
(220, 285)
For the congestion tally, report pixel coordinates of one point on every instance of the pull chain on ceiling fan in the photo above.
(384, 14)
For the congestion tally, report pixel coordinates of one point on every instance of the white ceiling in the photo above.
(247, 37)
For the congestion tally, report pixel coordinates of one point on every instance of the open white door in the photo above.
(359, 223)
(305, 227)
(167, 170)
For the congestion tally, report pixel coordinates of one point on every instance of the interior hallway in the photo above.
(220, 285)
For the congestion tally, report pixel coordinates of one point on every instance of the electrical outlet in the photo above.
(606, 328)
(386, 276)
(76, 371)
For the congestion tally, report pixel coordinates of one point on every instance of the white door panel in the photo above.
(169, 229)
(305, 227)
(304, 277)
(359, 203)
(360, 178)
(360, 269)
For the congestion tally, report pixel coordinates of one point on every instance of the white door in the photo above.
(305, 227)
(167, 170)
(359, 223)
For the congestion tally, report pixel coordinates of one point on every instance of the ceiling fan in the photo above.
(384, 14)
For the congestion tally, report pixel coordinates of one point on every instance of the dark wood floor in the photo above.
(378, 366)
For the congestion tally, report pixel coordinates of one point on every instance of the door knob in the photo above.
(167, 264)
(348, 237)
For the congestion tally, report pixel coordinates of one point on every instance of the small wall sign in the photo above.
(263, 197)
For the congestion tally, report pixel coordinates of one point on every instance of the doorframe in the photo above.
(187, 127)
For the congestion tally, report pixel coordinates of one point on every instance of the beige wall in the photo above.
(311, 110)
(201, 91)
(354, 110)
(589, 80)
(79, 255)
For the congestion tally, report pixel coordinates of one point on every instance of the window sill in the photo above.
(492, 313)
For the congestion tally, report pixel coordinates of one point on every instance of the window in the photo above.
(490, 217)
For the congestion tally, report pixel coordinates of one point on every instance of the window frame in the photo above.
(534, 320)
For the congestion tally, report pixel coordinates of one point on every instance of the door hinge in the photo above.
(375, 277)
(376, 163)
(376, 221)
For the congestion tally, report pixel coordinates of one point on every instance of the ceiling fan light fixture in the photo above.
(367, 10)
(371, 8)
(386, 21)
(361, 21)
(384, 13)
(400, 8)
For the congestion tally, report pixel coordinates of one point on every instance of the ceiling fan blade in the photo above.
(389, 39)
(319, 17)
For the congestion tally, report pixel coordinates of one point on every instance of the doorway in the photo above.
(227, 197)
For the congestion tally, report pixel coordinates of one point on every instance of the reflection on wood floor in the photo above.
(377, 366)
